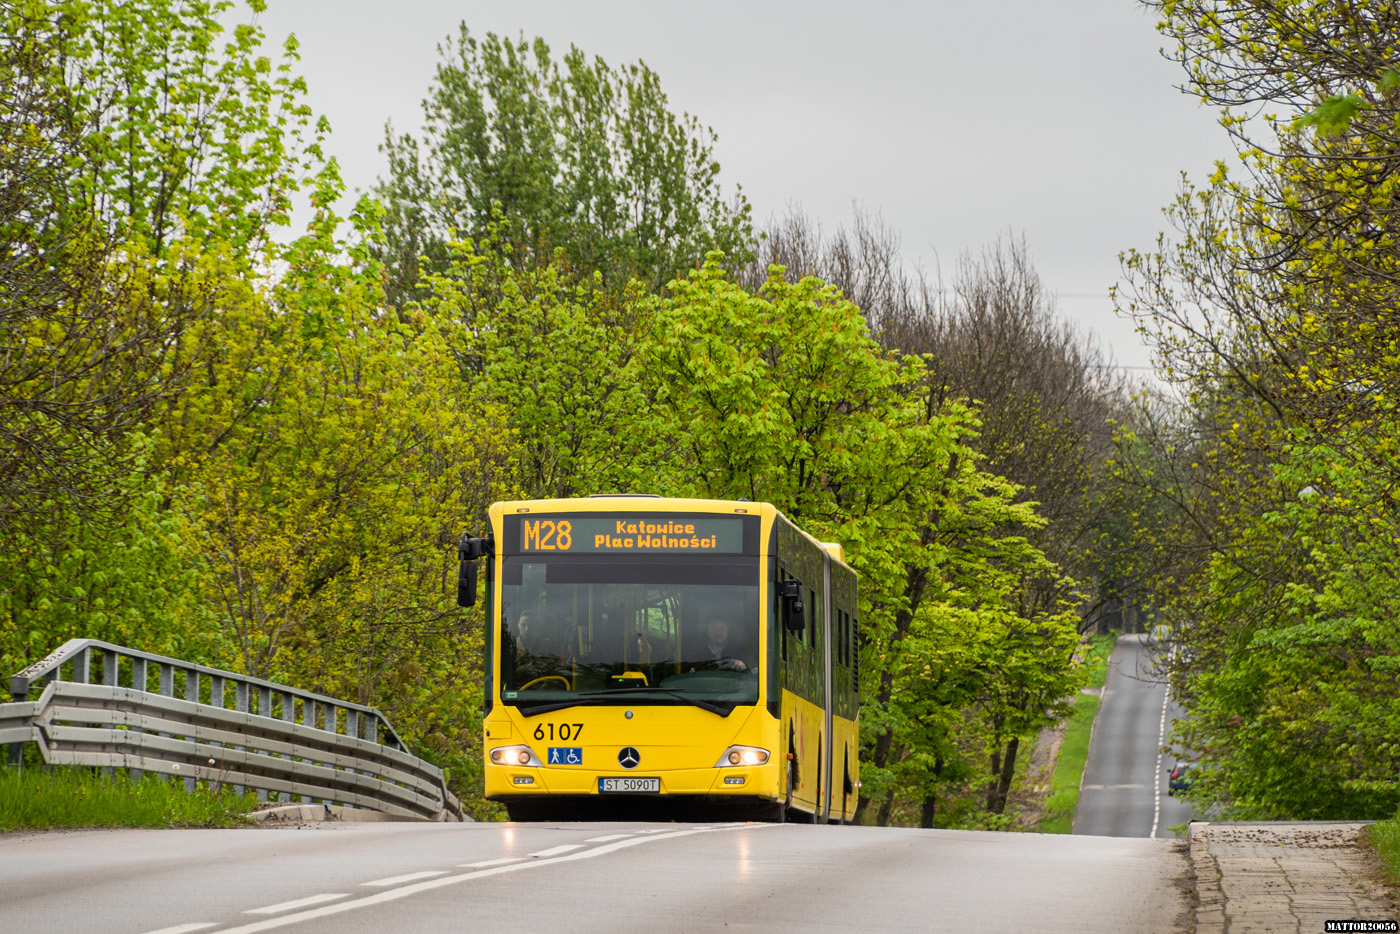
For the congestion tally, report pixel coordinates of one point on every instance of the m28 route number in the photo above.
(548, 535)
(550, 731)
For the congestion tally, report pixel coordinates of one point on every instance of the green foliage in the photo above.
(545, 358)
(1333, 115)
(1297, 718)
(139, 584)
(577, 155)
(783, 396)
(45, 799)
(132, 136)
(331, 460)
(184, 129)
(1274, 308)
(92, 336)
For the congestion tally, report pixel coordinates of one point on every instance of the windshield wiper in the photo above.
(539, 708)
(695, 701)
(589, 698)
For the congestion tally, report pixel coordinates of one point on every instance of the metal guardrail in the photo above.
(97, 708)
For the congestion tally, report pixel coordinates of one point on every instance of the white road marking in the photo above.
(407, 877)
(609, 838)
(1157, 778)
(492, 862)
(556, 850)
(296, 903)
(185, 928)
(414, 888)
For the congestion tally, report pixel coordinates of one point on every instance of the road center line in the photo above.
(1157, 778)
(492, 862)
(415, 888)
(556, 850)
(406, 877)
(297, 903)
(185, 928)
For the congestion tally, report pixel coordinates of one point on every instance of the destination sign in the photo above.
(634, 532)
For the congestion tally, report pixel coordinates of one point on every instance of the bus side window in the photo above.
(814, 619)
(776, 608)
(856, 654)
(780, 609)
(839, 630)
(846, 638)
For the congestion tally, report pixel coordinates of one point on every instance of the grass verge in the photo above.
(1074, 748)
(1384, 837)
(36, 799)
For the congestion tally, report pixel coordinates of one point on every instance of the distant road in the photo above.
(620, 878)
(1124, 792)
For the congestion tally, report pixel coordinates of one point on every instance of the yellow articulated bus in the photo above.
(650, 657)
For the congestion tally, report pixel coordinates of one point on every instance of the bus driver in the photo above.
(717, 649)
(538, 654)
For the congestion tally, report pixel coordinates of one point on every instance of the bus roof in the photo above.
(632, 502)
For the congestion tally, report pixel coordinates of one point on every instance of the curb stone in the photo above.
(319, 813)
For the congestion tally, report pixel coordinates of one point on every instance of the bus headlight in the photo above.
(515, 755)
(742, 755)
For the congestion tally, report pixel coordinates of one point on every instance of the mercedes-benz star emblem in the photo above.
(629, 758)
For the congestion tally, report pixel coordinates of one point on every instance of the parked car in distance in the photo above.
(1181, 778)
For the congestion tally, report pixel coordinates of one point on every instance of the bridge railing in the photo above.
(93, 703)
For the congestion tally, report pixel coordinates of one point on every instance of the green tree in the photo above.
(139, 584)
(1295, 712)
(184, 129)
(95, 339)
(1272, 307)
(545, 355)
(132, 141)
(576, 154)
(782, 395)
(1045, 396)
(1300, 256)
(328, 459)
(283, 462)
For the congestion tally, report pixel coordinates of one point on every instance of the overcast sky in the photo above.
(957, 122)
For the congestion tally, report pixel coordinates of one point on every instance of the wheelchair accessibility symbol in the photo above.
(565, 755)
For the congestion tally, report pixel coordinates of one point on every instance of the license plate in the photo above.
(629, 784)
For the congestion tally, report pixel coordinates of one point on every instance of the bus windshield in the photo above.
(612, 629)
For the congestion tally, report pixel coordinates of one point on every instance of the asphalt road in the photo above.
(617, 878)
(1124, 790)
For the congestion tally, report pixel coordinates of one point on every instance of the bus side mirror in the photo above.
(793, 609)
(468, 550)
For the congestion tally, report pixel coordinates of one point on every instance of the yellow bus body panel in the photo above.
(680, 745)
